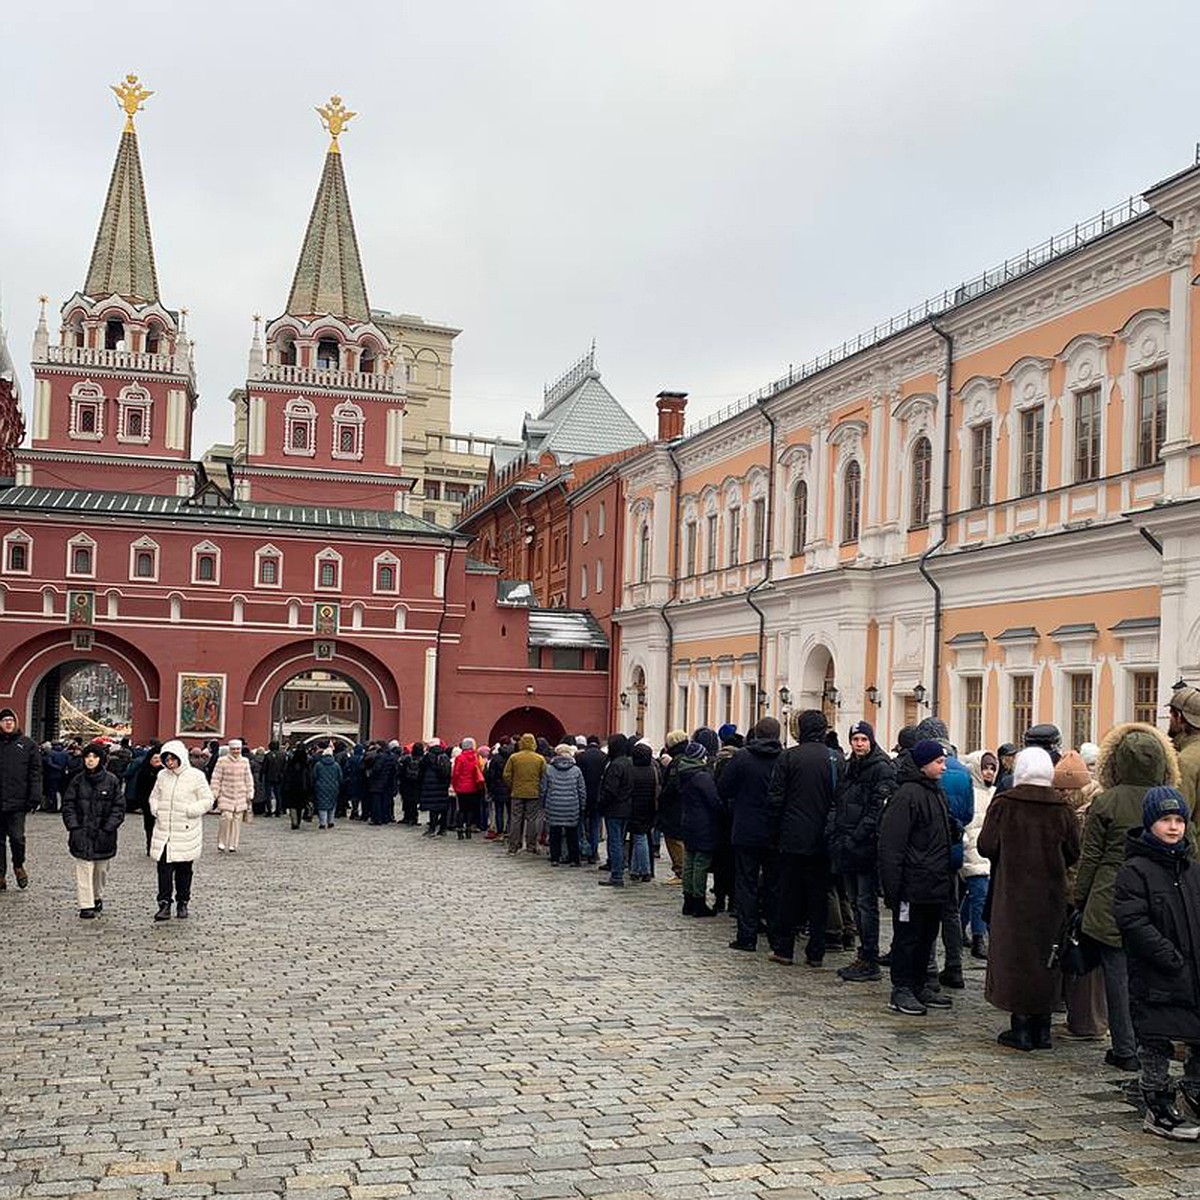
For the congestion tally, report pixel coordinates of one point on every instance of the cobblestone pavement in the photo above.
(365, 1013)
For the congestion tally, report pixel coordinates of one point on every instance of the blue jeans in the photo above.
(640, 864)
(614, 831)
(974, 895)
(863, 889)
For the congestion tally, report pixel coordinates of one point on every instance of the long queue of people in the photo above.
(1071, 875)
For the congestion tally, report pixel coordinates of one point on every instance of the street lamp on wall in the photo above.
(919, 694)
(873, 696)
(830, 694)
(1179, 683)
(624, 699)
(785, 697)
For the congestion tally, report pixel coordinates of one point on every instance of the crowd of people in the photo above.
(1069, 874)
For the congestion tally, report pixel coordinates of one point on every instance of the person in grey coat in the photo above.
(564, 798)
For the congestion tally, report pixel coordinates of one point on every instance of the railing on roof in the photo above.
(1033, 258)
(566, 383)
(503, 478)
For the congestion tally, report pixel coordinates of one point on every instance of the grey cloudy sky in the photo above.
(711, 190)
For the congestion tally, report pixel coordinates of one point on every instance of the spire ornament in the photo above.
(131, 96)
(335, 116)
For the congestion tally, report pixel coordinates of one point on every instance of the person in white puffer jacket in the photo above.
(180, 798)
(976, 870)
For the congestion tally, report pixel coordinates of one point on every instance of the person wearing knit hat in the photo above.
(92, 811)
(915, 875)
(1031, 836)
(727, 733)
(669, 819)
(1070, 772)
(1090, 753)
(20, 793)
(1156, 907)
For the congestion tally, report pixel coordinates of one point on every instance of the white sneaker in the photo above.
(220, 845)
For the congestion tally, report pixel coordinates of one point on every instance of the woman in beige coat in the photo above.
(233, 789)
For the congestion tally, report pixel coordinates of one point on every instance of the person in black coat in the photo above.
(915, 874)
(702, 821)
(592, 762)
(138, 795)
(616, 806)
(499, 791)
(643, 801)
(273, 767)
(380, 770)
(853, 835)
(433, 794)
(670, 804)
(92, 811)
(20, 793)
(742, 787)
(799, 798)
(408, 779)
(1157, 909)
(296, 786)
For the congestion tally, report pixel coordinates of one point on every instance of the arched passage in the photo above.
(816, 679)
(43, 660)
(537, 721)
(316, 706)
(371, 679)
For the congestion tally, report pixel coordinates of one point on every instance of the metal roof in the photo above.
(569, 628)
(247, 512)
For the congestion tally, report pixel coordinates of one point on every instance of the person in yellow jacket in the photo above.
(523, 775)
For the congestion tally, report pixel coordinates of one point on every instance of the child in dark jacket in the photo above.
(1157, 910)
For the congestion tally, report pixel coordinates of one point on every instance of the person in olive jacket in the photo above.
(800, 796)
(742, 787)
(92, 811)
(1133, 758)
(853, 833)
(20, 793)
(915, 874)
(1157, 909)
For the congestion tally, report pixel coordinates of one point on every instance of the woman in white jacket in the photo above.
(233, 789)
(180, 799)
(976, 870)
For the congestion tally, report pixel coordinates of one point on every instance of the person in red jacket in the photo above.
(466, 781)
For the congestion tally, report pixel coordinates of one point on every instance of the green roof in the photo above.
(247, 511)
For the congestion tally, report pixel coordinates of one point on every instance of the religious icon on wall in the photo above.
(325, 618)
(81, 608)
(201, 705)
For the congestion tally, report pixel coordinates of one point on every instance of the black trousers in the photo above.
(176, 875)
(756, 886)
(912, 943)
(571, 834)
(148, 824)
(803, 895)
(12, 834)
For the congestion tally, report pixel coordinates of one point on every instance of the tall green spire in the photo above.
(329, 275)
(123, 256)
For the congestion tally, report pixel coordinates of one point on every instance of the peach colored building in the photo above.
(987, 508)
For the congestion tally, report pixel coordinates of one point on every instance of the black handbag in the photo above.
(1074, 952)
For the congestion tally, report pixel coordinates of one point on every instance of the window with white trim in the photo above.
(851, 501)
(643, 562)
(133, 415)
(734, 521)
(206, 563)
(328, 571)
(18, 553)
(87, 412)
(600, 520)
(920, 480)
(583, 581)
(587, 527)
(981, 464)
(143, 560)
(599, 575)
(81, 557)
(300, 427)
(1089, 413)
(690, 537)
(800, 517)
(348, 423)
(268, 567)
(387, 573)
(1151, 415)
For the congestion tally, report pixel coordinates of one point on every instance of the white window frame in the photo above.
(209, 549)
(143, 545)
(328, 555)
(1086, 359)
(599, 575)
(583, 581)
(87, 394)
(131, 399)
(600, 520)
(268, 551)
(299, 411)
(348, 415)
(386, 559)
(80, 541)
(587, 528)
(18, 537)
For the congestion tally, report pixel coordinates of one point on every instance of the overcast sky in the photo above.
(710, 190)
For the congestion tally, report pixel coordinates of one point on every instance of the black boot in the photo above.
(1019, 1036)
(1040, 1029)
(164, 911)
(979, 947)
(1189, 1089)
(952, 977)
(689, 906)
(1164, 1119)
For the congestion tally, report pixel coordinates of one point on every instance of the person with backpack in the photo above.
(408, 771)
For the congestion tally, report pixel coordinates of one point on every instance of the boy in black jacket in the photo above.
(1157, 909)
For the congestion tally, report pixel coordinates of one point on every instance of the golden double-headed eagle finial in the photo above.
(130, 96)
(334, 116)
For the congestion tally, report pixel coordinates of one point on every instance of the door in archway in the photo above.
(537, 721)
(81, 699)
(829, 704)
(321, 704)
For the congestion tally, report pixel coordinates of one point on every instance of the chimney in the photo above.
(670, 415)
